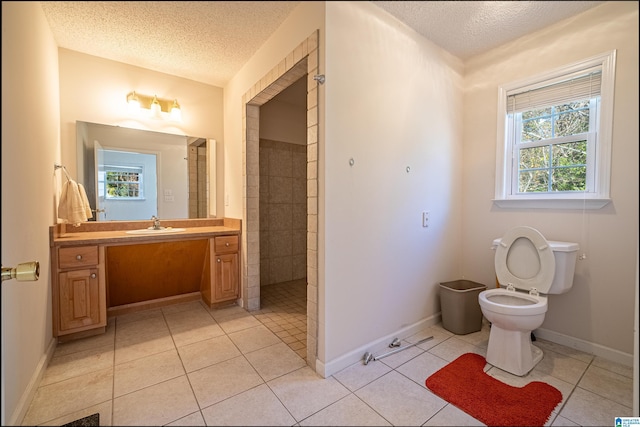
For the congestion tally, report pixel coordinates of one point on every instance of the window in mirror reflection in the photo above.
(127, 185)
(123, 182)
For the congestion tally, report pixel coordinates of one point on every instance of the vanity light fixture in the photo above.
(154, 107)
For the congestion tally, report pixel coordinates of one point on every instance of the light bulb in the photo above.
(133, 103)
(176, 113)
(155, 107)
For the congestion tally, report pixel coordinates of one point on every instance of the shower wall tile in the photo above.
(299, 242)
(265, 270)
(280, 217)
(264, 185)
(282, 244)
(299, 190)
(264, 159)
(299, 165)
(265, 239)
(280, 190)
(299, 216)
(283, 211)
(299, 266)
(280, 162)
(264, 217)
(280, 269)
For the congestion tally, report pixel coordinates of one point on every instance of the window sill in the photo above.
(589, 204)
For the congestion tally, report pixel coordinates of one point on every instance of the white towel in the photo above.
(85, 201)
(74, 205)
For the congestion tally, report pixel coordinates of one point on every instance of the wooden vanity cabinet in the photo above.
(99, 270)
(79, 291)
(224, 283)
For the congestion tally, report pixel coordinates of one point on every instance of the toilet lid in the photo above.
(525, 259)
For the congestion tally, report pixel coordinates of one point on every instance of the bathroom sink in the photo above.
(151, 230)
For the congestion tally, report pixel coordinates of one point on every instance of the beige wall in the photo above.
(283, 121)
(30, 147)
(393, 101)
(596, 315)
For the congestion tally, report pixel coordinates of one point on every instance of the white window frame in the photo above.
(139, 169)
(597, 194)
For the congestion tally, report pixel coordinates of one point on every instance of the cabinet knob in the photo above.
(227, 244)
(79, 257)
(93, 275)
(218, 259)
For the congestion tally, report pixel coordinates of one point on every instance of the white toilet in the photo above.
(528, 267)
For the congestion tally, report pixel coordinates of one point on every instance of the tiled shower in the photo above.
(198, 182)
(283, 212)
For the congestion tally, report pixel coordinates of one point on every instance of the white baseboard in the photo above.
(336, 365)
(23, 405)
(586, 346)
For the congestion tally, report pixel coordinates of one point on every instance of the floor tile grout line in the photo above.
(113, 379)
(577, 385)
(297, 422)
(184, 368)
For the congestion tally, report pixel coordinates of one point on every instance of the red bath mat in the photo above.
(464, 384)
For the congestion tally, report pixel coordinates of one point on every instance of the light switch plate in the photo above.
(425, 219)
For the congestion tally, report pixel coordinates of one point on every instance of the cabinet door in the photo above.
(226, 284)
(79, 298)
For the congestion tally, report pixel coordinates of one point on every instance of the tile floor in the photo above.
(189, 365)
(283, 309)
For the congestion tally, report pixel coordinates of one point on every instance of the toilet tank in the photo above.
(566, 254)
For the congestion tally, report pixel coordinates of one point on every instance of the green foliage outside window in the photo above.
(123, 184)
(554, 166)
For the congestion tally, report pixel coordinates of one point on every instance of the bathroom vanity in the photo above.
(103, 269)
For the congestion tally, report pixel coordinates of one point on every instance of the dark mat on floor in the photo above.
(90, 421)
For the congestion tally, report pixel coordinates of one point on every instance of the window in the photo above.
(554, 144)
(123, 182)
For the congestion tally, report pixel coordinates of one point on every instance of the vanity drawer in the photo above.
(79, 256)
(226, 244)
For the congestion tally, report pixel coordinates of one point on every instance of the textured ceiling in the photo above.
(205, 41)
(209, 41)
(468, 28)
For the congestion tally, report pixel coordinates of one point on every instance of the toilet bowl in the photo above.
(527, 267)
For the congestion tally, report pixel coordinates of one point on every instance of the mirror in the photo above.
(131, 174)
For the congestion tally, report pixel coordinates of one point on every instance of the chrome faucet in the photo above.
(156, 223)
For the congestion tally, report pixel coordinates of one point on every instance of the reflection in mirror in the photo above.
(132, 174)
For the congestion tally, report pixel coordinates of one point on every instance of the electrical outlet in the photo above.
(425, 219)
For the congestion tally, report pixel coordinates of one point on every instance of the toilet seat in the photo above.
(516, 256)
(503, 301)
